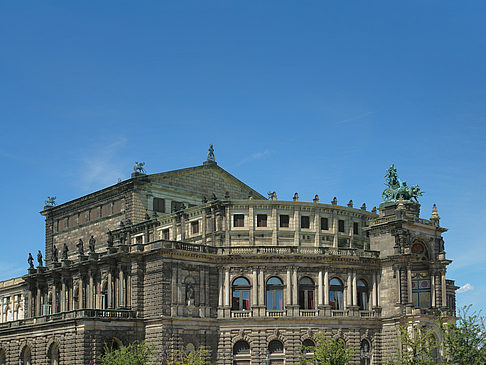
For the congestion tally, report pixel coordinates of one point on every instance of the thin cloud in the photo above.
(465, 288)
(100, 166)
(352, 119)
(255, 156)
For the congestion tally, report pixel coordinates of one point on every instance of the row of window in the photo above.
(274, 294)
(93, 214)
(276, 347)
(284, 222)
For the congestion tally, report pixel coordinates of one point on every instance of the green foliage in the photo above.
(465, 340)
(137, 353)
(328, 351)
(192, 358)
(418, 346)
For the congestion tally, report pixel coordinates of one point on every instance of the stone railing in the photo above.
(308, 313)
(275, 313)
(77, 313)
(287, 250)
(241, 314)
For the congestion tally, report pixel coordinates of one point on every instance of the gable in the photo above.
(206, 180)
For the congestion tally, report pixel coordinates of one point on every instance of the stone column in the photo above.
(443, 288)
(227, 226)
(409, 284)
(326, 287)
(254, 288)
(261, 288)
(335, 229)
(317, 228)
(202, 298)
(109, 290)
(399, 286)
(220, 287)
(432, 290)
(378, 289)
(355, 290)
(203, 226)
(174, 230)
(373, 292)
(121, 288)
(183, 227)
(38, 310)
(296, 226)
(81, 292)
(251, 226)
(288, 288)
(320, 289)
(274, 222)
(63, 295)
(295, 287)
(54, 299)
(227, 289)
(90, 291)
(348, 291)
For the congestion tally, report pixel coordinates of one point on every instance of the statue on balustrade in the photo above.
(30, 260)
(91, 244)
(80, 247)
(64, 251)
(39, 258)
(55, 253)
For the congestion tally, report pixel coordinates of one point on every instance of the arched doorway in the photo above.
(53, 354)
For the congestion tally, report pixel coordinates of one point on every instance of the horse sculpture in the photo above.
(397, 188)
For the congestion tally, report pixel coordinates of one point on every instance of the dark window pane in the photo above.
(324, 224)
(238, 220)
(355, 228)
(195, 227)
(284, 221)
(305, 221)
(341, 225)
(261, 220)
(159, 205)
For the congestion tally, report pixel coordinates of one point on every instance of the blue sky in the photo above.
(315, 97)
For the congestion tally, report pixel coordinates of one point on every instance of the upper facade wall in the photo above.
(263, 222)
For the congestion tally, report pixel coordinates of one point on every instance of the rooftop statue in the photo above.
(138, 168)
(211, 153)
(51, 201)
(397, 188)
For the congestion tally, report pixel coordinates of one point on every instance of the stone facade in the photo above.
(194, 258)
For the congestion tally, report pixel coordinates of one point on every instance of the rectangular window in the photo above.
(284, 221)
(165, 234)
(159, 205)
(261, 220)
(340, 225)
(117, 206)
(195, 227)
(355, 228)
(238, 220)
(305, 221)
(324, 224)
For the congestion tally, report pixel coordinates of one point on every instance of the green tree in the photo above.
(327, 351)
(465, 340)
(418, 346)
(137, 353)
(195, 357)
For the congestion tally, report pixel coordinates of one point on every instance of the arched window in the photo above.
(189, 348)
(306, 293)
(112, 344)
(336, 293)
(241, 348)
(241, 294)
(363, 294)
(308, 347)
(53, 354)
(365, 352)
(419, 250)
(26, 356)
(274, 294)
(275, 347)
